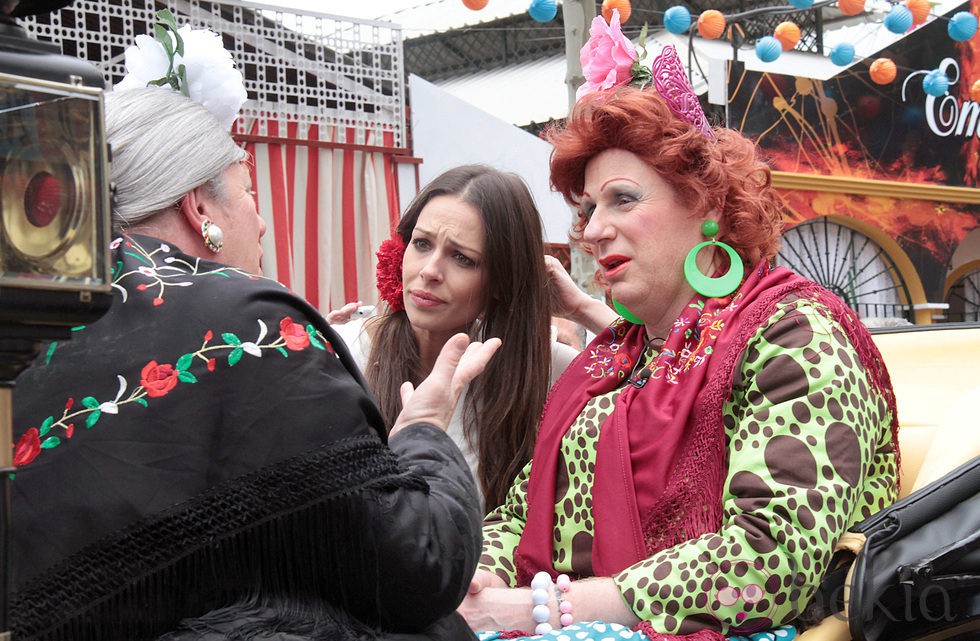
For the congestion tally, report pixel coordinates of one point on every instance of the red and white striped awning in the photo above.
(328, 206)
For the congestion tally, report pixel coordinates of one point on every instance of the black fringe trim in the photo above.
(273, 531)
(266, 620)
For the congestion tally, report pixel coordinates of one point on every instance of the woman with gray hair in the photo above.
(205, 461)
(153, 180)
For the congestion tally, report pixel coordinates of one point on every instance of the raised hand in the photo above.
(434, 401)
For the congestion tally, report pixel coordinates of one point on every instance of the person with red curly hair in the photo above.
(698, 461)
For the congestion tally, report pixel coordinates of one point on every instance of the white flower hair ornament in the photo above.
(191, 61)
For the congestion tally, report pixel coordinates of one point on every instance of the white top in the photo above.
(359, 344)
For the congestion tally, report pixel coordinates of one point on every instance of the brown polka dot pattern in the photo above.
(809, 455)
(573, 503)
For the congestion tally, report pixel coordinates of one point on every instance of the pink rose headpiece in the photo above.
(609, 59)
(389, 271)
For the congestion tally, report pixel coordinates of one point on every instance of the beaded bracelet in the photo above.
(540, 594)
(562, 584)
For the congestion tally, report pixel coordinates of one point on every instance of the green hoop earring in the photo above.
(625, 313)
(713, 287)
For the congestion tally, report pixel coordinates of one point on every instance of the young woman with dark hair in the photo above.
(473, 262)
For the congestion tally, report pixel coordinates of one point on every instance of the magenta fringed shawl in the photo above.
(661, 460)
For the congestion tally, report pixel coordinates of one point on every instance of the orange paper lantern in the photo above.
(975, 91)
(711, 24)
(850, 7)
(920, 10)
(788, 34)
(624, 10)
(475, 5)
(883, 71)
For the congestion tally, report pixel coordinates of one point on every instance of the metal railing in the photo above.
(305, 68)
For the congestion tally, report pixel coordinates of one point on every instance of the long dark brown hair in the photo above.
(504, 403)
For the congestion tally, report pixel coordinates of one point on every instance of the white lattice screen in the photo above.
(340, 74)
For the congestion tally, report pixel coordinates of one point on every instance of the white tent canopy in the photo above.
(536, 91)
(448, 132)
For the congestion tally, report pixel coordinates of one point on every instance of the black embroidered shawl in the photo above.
(208, 449)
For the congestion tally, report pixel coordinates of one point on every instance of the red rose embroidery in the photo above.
(28, 447)
(211, 364)
(157, 380)
(294, 334)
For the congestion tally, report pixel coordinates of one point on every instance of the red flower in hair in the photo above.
(389, 271)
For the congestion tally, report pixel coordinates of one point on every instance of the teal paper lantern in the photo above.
(842, 54)
(935, 83)
(899, 19)
(677, 20)
(962, 26)
(801, 4)
(767, 48)
(543, 10)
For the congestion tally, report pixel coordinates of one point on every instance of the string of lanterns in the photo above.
(712, 24)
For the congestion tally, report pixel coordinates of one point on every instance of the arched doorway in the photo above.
(848, 262)
(963, 293)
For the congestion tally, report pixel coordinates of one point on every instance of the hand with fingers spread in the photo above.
(434, 401)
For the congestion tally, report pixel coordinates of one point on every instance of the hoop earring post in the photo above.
(705, 285)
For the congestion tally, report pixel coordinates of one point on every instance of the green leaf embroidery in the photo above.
(283, 351)
(184, 362)
(235, 356)
(141, 401)
(47, 357)
(90, 402)
(48, 443)
(231, 339)
(186, 377)
(93, 418)
(138, 257)
(46, 426)
(314, 341)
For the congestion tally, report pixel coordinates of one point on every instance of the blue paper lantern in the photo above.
(842, 54)
(677, 19)
(767, 48)
(935, 83)
(899, 19)
(801, 4)
(543, 10)
(962, 26)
